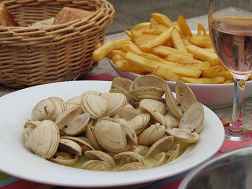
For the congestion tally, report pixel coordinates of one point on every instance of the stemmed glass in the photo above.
(230, 25)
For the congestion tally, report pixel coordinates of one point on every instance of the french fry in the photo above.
(124, 65)
(156, 29)
(203, 41)
(105, 49)
(141, 26)
(140, 41)
(162, 19)
(177, 41)
(179, 58)
(201, 30)
(159, 40)
(216, 71)
(166, 51)
(184, 28)
(215, 80)
(203, 54)
(117, 52)
(132, 47)
(151, 63)
(165, 74)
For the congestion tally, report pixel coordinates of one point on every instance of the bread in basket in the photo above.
(32, 55)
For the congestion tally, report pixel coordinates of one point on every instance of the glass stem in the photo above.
(237, 116)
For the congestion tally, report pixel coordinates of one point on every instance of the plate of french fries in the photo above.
(173, 51)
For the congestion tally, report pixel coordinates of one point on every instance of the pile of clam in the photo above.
(138, 124)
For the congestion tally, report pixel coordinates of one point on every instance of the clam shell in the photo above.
(91, 137)
(141, 149)
(44, 139)
(147, 81)
(129, 132)
(167, 120)
(122, 85)
(151, 134)
(96, 165)
(70, 146)
(193, 118)
(95, 105)
(151, 106)
(127, 112)
(44, 110)
(131, 166)
(111, 136)
(184, 95)
(115, 102)
(28, 128)
(83, 142)
(128, 157)
(64, 158)
(171, 103)
(77, 125)
(173, 154)
(184, 135)
(160, 158)
(139, 122)
(147, 93)
(64, 118)
(100, 155)
(162, 145)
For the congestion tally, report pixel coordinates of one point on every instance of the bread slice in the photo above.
(6, 18)
(68, 14)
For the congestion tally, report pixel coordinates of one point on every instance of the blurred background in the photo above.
(130, 12)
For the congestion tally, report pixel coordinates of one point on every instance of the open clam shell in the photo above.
(70, 146)
(151, 134)
(129, 132)
(131, 166)
(174, 153)
(184, 135)
(128, 157)
(162, 145)
(64, 119)
(147, 81)
(171, 103)
(44, 139)
(160, 158)
(100, 155)
(95, 105)
(141, 149)
(91, 137)
(77, 125)
(151, 106)
(184, 96)
(193, 118)
(139, 122)
(127, 112)
(167, 120)
(115, 102)
(147, 93)
(64, 158)
(96, 165)
(83, 142)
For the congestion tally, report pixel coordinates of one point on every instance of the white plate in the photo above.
(15, 160)
(213, 95)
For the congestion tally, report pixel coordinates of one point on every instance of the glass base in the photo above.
(236, 136)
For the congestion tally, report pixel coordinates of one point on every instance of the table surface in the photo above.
(104, 67)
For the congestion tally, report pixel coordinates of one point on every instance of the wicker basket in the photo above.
(31, 56)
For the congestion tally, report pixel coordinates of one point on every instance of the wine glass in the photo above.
(230, 27)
